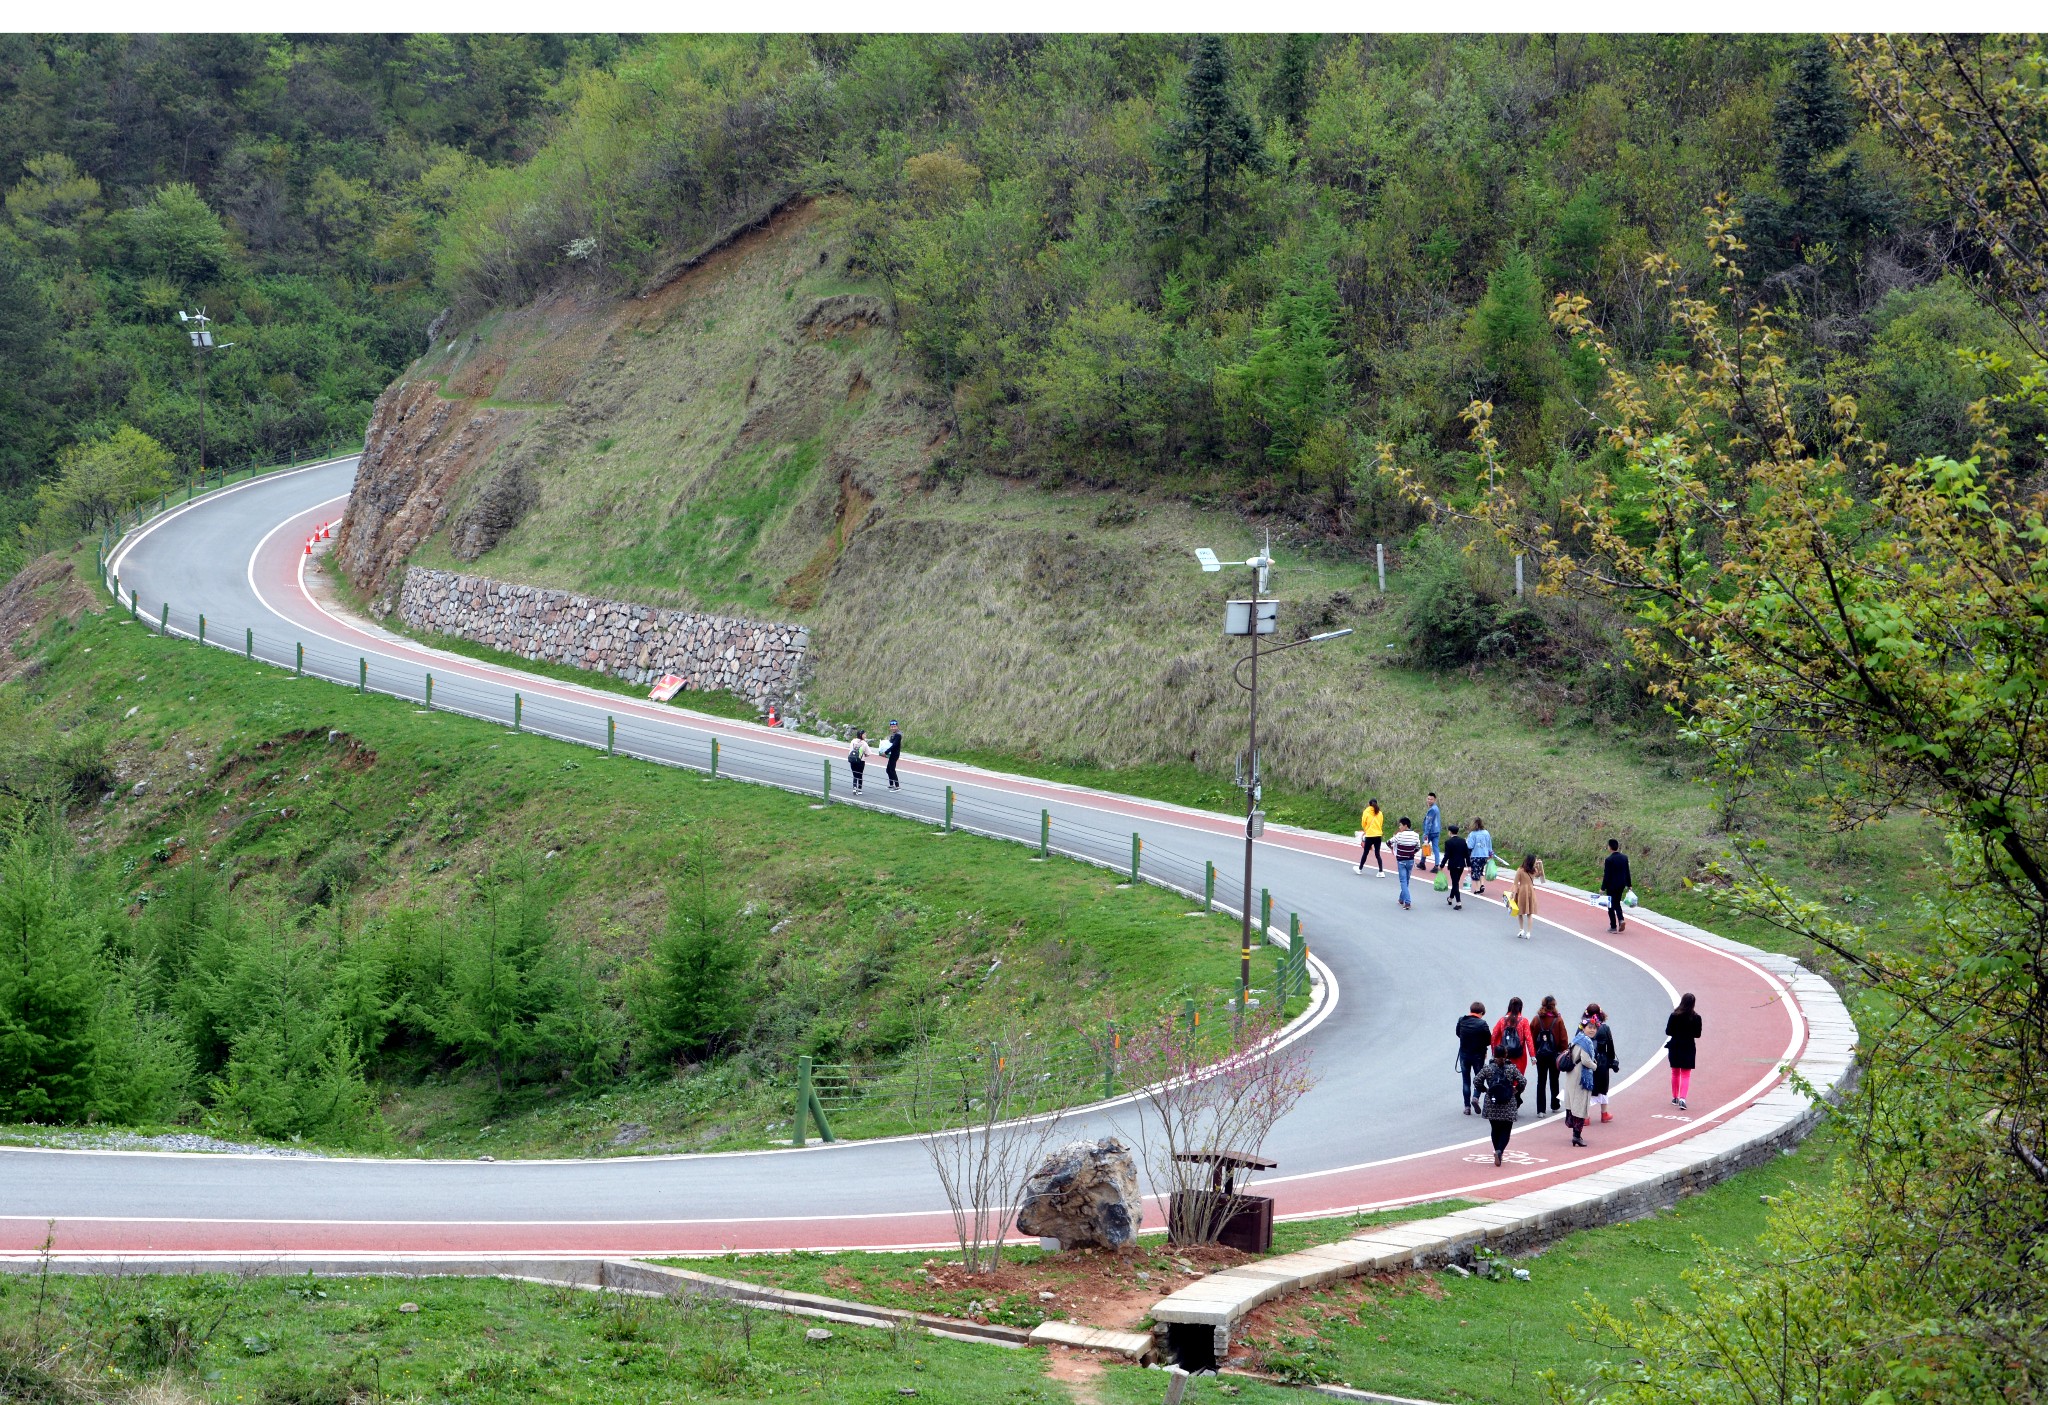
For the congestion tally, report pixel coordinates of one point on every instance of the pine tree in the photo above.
(689, 998)
(1294, 376)
(503, 977)
(1825, 196)
(50, 985)
(1212, 137)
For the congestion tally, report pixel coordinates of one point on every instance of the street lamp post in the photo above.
(1253, 617)
(199, 327)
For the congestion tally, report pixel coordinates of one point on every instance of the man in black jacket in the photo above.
(1475, 1040)
(892, 751)
(1614, 882)
(1456, 856)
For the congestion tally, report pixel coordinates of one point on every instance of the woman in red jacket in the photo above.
(1512, 1038)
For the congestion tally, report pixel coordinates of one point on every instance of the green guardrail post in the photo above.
(1265, 913)
(135, 604)
(1208, 887)
(163, 625)
(714, 758)
(808, 1107)
(202, 629)
(1293, 931)
(1189, 1013)
(1137, 848)
(430, 693)
(611, 735)
(949, 809)
(362, 675)
(826, 790)
(1044, 834)
(518, 713)
(299, 664)
(1112, 1042)
(249, 642)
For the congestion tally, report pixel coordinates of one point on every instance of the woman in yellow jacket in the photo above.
(1372, 825)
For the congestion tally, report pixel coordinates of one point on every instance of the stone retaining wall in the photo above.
(761, 662)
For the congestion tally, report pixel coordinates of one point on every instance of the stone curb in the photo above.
(1778, 1119)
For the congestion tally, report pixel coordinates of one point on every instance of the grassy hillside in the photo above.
(702, 446)
(236, 828)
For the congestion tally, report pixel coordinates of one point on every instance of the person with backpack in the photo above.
(1407, 844)
(1433, 833)
(1605, 1060)
(892, 752)
(1614, 882)
(1480, 842)
(1504, 1084)
(857, 758)
(1681, 1037)
(1522, 897)
(1512, 1035)
(1456, 856)
(1549, 1036)
(1576, 1064)
(1474, 1040)
(1372, 824)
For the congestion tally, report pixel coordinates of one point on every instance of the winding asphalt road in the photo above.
(1381, 1127)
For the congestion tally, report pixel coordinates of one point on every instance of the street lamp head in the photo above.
(1333, 634)
(1208, 559)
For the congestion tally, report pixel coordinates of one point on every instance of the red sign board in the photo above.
(667, 686)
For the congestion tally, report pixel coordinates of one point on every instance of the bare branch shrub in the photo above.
(983, 1148)
(1198, 1099)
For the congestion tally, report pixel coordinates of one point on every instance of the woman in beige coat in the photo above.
(1524, 894)
(1575, 1069)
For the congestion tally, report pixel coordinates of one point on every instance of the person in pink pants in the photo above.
(1682, 1041)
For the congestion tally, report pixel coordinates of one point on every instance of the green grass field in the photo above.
(874, 931)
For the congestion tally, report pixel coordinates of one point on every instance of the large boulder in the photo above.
(1085, 1196)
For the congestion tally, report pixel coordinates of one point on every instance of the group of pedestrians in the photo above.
(864, 751)
(1573, 1067)
(1459, 855)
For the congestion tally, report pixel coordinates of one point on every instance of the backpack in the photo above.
(1500, 1085)
(1546, 1045)
(1511, 1041)
(853, 756)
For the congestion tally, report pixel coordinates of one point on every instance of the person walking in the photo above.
(892, 752)
(1576, 1064)
(1511, 1032)
(1372, 824)
(1433, 833)
(1474, 1040)
(1457, 854)
(1504, 1085)
(857, 758)
(1480, 842)
(1523, 896)
(1605, 1060)
(1614, 882)
(1407, 844)
(1682, 1038)
(1548, 1038)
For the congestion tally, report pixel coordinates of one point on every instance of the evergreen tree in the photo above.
(1824, 195)
(1211, 138)
(689, 997)
(1509, 331)
(503, 978)
(50, 985)
(1295, 375)
(1288, 85)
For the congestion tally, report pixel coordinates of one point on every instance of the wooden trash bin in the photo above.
(1242, 1222)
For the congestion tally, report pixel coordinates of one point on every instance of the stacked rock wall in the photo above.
(761, 662)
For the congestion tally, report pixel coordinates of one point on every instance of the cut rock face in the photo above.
(1085, 1196)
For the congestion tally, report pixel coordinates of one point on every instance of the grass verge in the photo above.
(318, 806)
(302, 1340)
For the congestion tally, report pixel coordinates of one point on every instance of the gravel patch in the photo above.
(164, 1141)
